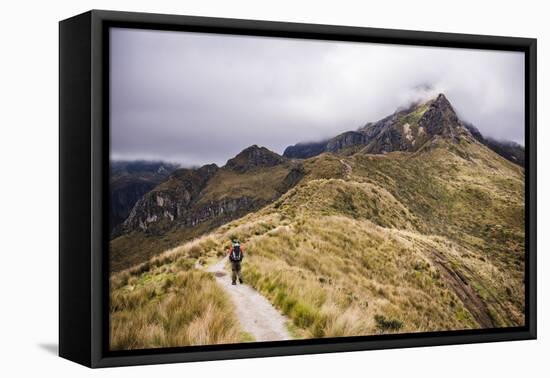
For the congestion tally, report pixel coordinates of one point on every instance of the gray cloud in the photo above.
(200, 98)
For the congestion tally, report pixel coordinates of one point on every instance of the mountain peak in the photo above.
(407, 129)
(442, 99)
(254, 157)
(443, 104)
(441, 119)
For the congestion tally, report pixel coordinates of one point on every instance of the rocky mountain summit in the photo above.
(406, 130)
(254, 157)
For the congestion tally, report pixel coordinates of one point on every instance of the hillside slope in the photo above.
(402, 242)
(405, 243)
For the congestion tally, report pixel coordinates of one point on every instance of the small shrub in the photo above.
(387, 324)
(195, 252)
(184, 264)
(304, 315)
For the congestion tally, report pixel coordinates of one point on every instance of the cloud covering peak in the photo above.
(198, 98)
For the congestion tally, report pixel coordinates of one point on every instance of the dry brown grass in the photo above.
(168, 306)
(342, 274)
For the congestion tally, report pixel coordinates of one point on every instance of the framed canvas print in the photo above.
(235, 188)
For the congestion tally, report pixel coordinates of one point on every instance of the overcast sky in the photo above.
(197, 98)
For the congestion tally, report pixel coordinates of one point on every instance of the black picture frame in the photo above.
(83, 181)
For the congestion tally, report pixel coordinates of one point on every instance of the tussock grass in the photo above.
(344, 273)
(167, 303)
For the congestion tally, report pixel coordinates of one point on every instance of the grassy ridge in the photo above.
(398, 221)
(350, 277)
(462, 191)
(369, 244)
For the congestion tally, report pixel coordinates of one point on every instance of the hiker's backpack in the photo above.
(236, 253)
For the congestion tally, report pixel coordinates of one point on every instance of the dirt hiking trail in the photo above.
(256, 315)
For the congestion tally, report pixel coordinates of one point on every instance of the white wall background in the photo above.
(29, 186)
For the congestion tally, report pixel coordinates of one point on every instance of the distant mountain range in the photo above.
(129, 181)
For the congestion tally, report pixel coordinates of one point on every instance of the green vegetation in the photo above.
(387, 325)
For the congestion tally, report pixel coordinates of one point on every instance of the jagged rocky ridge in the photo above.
(508, 150)
(406, 130)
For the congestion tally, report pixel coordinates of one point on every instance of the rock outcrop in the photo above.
(130, 181)
(346, 140)
(305, 150)
(169, 201)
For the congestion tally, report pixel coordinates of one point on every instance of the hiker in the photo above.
(236, 256)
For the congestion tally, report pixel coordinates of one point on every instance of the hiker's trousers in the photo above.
(236, 271)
